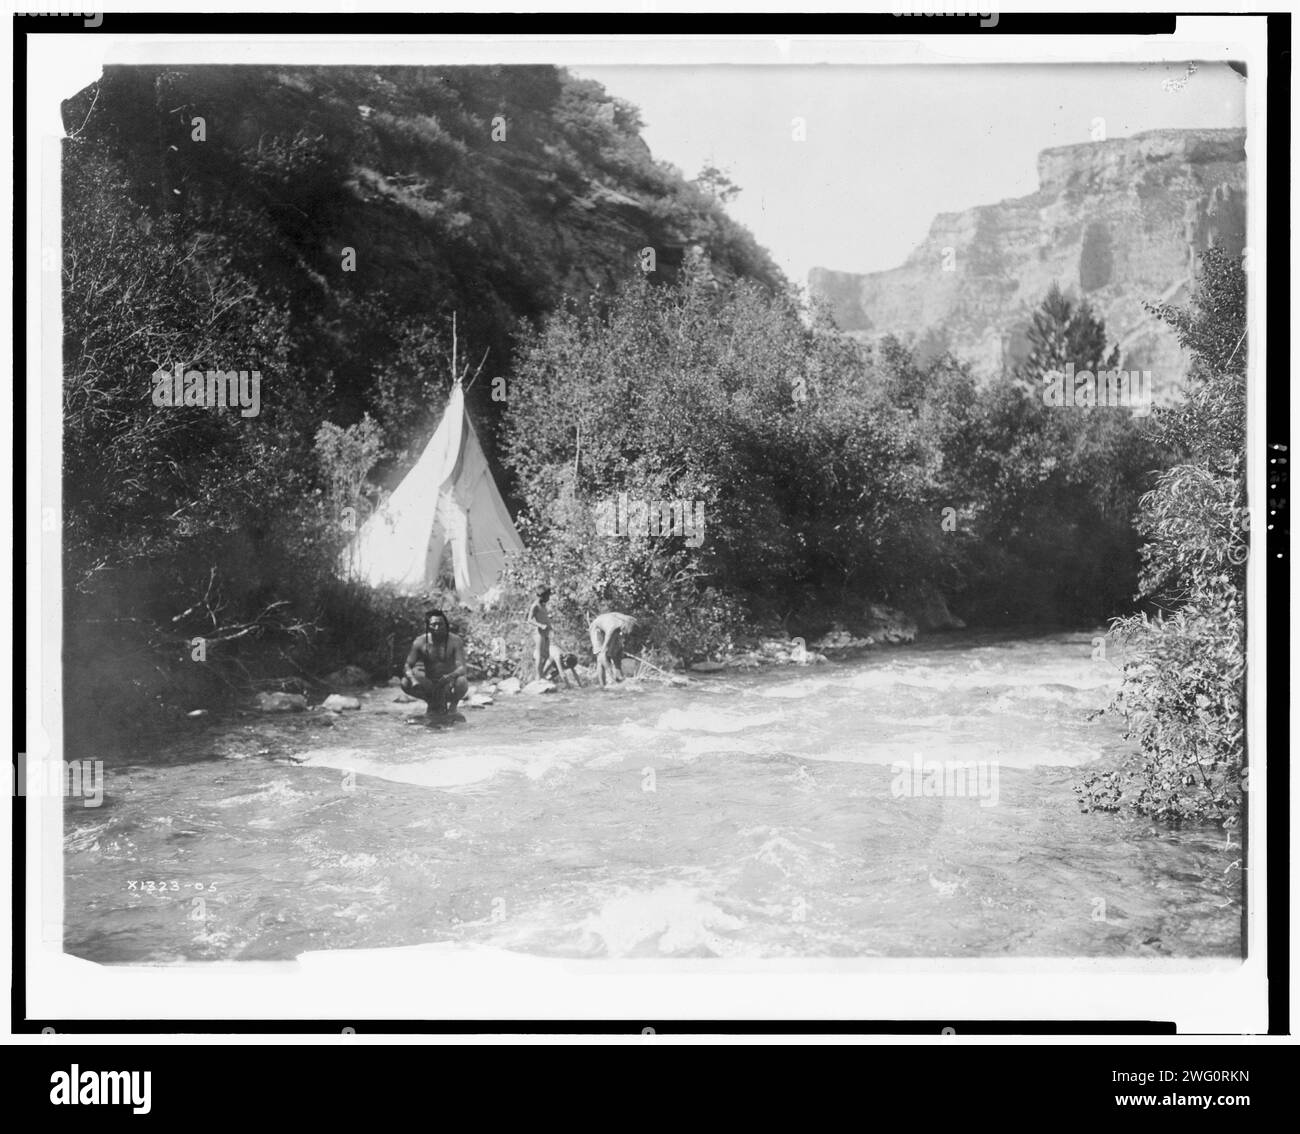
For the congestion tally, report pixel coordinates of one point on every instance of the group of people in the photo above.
(436, 671)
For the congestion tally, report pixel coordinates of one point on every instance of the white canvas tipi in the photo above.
(448, 499)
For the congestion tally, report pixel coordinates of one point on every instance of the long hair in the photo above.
(430, 615)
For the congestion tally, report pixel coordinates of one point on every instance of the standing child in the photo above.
(539, 618)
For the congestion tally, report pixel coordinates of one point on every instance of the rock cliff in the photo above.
(1116, 223)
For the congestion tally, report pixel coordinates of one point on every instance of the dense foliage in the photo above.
(828, 476)
(185, 530)
(1185, 664)
(370, 203)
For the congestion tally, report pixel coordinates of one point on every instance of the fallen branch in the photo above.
(650, 665)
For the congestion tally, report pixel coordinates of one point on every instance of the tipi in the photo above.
(447, 499)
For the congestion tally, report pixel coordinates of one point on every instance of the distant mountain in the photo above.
(1116, 223)
(489, 191)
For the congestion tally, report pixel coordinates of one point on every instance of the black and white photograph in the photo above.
(581, 508)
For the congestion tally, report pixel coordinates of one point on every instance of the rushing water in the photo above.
(747, 814)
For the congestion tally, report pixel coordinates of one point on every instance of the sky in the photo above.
(889, 147)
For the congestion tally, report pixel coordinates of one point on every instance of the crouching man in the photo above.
(435, 667)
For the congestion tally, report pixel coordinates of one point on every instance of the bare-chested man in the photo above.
(435, 667)
(607, 633)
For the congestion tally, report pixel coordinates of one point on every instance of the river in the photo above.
(754, 814)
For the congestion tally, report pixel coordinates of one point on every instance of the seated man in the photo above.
(607, 633)
(435, 667)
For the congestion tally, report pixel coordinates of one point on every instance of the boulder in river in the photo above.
(478, 700)
(337, 703)
(931, 612)
(749, 660)
(889, 625)
(840, 639)
(282, 702)
(348, 677)
(292, 684)
(509, 685)
(708, 666)
(540, 687)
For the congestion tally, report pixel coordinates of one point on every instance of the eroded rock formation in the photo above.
(1117, 223)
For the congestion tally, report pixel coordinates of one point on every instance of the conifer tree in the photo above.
(1063, 333)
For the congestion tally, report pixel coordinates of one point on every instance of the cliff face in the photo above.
(1116, 223)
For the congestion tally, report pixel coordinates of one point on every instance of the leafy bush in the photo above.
(1184, 688)
(682, 393)
(825, 471)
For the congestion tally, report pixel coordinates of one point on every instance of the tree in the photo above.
(345, 457)
(1184, 688)
(1062, 334)
(1048, 537)
(717, 184)
(141, 482)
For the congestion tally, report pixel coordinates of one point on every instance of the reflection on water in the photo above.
(744, 815)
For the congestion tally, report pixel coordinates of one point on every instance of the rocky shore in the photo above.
(351, 689)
